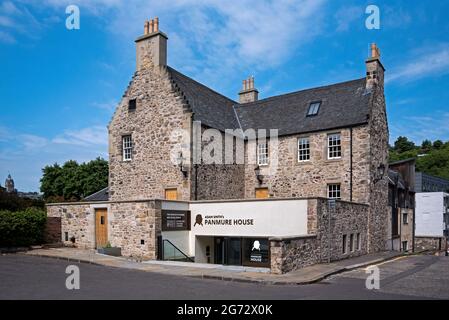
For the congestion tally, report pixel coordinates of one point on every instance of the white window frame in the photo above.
(334, 191)
(303, 149)
(127, 148)
(262, 154)
(334, 146)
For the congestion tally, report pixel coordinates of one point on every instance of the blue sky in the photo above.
(59, 87)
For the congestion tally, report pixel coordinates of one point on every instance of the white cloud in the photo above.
(346, 15)
(213, 40)
(429, 61)
(25, 154)
(92, 136)
(108, 105)
(418, 128)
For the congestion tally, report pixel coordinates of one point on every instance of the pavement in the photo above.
(308, 275)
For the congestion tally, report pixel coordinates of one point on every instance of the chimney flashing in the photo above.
(147, 36)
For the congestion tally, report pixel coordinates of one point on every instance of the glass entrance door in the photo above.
(228, 251)
(234, 252)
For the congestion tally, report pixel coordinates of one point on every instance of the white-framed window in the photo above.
(334, 191)
(405, 217)
(127, 147)
(313, 108)
(334, 146)
(303, 149)
(262, 154)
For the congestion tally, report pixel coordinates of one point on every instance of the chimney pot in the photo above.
(146, 28)
(151, 26)
(248, 93)
(156, 24)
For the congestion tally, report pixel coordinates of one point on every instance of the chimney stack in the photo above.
(248, 92)
(374, 68)
(151, 48)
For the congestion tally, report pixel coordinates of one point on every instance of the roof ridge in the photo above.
(296, 92)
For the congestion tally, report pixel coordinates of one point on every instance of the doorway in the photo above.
(228, 251)
(101, 227)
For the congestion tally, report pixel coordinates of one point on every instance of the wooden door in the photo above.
(171, 194)
(262, 193)
(101, 227)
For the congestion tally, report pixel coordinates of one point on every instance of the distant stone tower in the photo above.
(9, 184)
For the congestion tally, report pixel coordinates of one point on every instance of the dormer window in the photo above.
(132, 105)
(314, 107)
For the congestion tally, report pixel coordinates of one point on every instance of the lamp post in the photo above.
(258, 175)
(380, 172)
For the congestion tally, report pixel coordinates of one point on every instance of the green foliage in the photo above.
(73, 181)
(402, 144)
(12, 202)
(22, 228)
(431, 158)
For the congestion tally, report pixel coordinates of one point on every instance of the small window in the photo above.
(334, 146)
(404, 246)
(262, 193)
(344, 244)
(404, 218)
(142, 241)
(359, 244)
(132, 103)
(351, 242)
(102, 220)
(303, 149)
(127, 148)
(334, 191)
(313, 108)
(262, 154)
(66, 236)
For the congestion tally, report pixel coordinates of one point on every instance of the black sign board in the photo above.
(175, 220)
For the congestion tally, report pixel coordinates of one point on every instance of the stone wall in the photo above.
(288, 254)
(289, 178)
(221, 180)
(78, 221)
(156, 130)
(135, 227)
(378, 155)
(132, 225)
(429, 243)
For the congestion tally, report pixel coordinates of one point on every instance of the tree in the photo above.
(74, 181)
(437, 144)
(402, 144)
(426, 146)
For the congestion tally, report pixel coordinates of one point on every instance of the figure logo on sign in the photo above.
(198, 220)
(256, 245)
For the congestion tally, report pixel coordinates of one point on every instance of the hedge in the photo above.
(22, 228)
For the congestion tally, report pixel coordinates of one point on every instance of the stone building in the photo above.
(9, 184)
(401, 203)
(181, 153)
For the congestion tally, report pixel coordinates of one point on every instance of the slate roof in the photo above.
(102, 195)
(342, 105)
(210, 107)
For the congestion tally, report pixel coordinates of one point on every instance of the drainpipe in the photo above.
(195, 165)
(350, 165)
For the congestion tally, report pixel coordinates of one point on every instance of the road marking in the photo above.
(385, 262)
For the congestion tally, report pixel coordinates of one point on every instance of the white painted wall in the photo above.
(429, 214)
(270, 218)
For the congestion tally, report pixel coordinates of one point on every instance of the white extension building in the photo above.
(432, 211)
